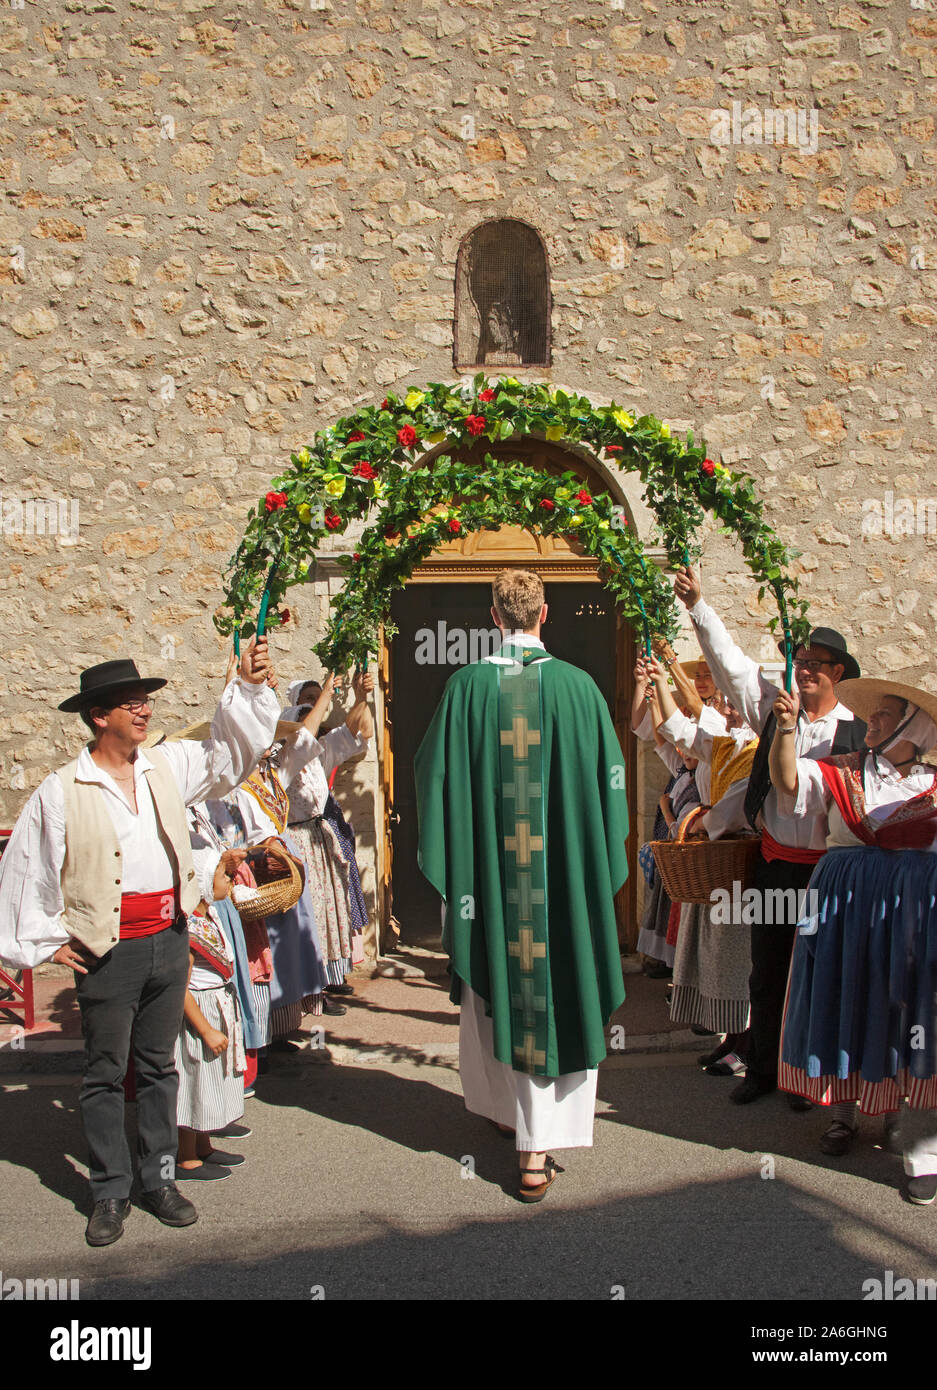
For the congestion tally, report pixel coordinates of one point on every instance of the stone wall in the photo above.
(227, 224)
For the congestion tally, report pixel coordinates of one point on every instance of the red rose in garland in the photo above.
(708, 467)
(275, 501)
(385, 405)
(363, 470)
(547, 504)
(487, 396)
(355, 437)
(613, 448)
(475, 424)
(406, 436)
(332, 520)
(583, 497)
(455, 526)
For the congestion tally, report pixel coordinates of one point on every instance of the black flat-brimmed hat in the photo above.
(834, 642)
(100, 681)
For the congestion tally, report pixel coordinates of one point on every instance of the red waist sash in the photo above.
(773, 849)
(145, 914)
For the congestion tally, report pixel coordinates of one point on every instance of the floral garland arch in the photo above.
(362, 468)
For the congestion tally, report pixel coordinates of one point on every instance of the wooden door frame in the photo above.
(448, 568)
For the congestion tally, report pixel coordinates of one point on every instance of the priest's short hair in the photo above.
(518, 597)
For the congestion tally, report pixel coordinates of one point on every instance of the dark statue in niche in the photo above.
(502, 297)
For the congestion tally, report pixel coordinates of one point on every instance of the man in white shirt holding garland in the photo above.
(98, 875)
(791, 846)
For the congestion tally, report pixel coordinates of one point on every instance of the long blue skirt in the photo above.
(861, 1016)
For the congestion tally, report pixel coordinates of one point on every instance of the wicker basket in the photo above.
(276, 896)
(692, 870)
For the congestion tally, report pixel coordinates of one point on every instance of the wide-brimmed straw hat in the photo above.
(691, 668)
(862, 696)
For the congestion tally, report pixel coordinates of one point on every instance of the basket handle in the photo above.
(279, 850)
(685, 823)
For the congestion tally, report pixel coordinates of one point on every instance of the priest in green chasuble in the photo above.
(523, 818)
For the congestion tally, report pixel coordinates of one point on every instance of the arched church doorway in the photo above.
(443, 622)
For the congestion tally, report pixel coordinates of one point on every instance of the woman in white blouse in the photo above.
(860, 1030)
(310, 761)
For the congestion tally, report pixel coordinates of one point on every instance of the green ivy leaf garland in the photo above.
(362, 466)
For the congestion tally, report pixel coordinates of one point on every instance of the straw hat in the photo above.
(691, 668)
(863, 694)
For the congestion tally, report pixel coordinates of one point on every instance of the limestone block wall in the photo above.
(222, 226)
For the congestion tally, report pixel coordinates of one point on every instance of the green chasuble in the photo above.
(520, 786)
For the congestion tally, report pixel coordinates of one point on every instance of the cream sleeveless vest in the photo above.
(91, 873)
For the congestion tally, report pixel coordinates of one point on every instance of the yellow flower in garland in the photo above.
(555, 431)
(623, 419)
(723, 471)
(575, 520)
(665, 431)
(335, 487)
(304, 512)
(604, 526)
(562, 494)
(378, 487)
(436, 437)
(304, 456)
(414, 398)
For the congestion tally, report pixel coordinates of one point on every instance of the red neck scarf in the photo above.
(910, 826)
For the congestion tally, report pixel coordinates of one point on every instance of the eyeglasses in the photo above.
(812, 666)
(137, 706)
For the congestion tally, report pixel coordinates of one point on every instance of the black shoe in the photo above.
(339, 989)
(752, 1089)
(837, 1140)
(282, 1045)
(226, 1160)
(329, 1006)
(922, 1191)
(706, 1059)
(106, 1223)
(659, 971)
(169, 1206)
(798, 1102)
(205, 1172)
(234, 1131)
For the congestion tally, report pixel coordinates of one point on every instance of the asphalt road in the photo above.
(354, 1188)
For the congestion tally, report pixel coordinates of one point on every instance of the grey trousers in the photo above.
(137, 989)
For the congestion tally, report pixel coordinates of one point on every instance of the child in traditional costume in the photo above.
(210, 1056)
(860, 1020)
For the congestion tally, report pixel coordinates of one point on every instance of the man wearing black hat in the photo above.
(98, 875)
(790, 847)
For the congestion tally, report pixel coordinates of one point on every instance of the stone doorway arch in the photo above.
(474, 560)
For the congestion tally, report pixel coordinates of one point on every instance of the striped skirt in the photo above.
(211, 1089)
(711, 968)
(860, 1019)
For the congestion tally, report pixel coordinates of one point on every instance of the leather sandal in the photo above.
(550, 1170)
